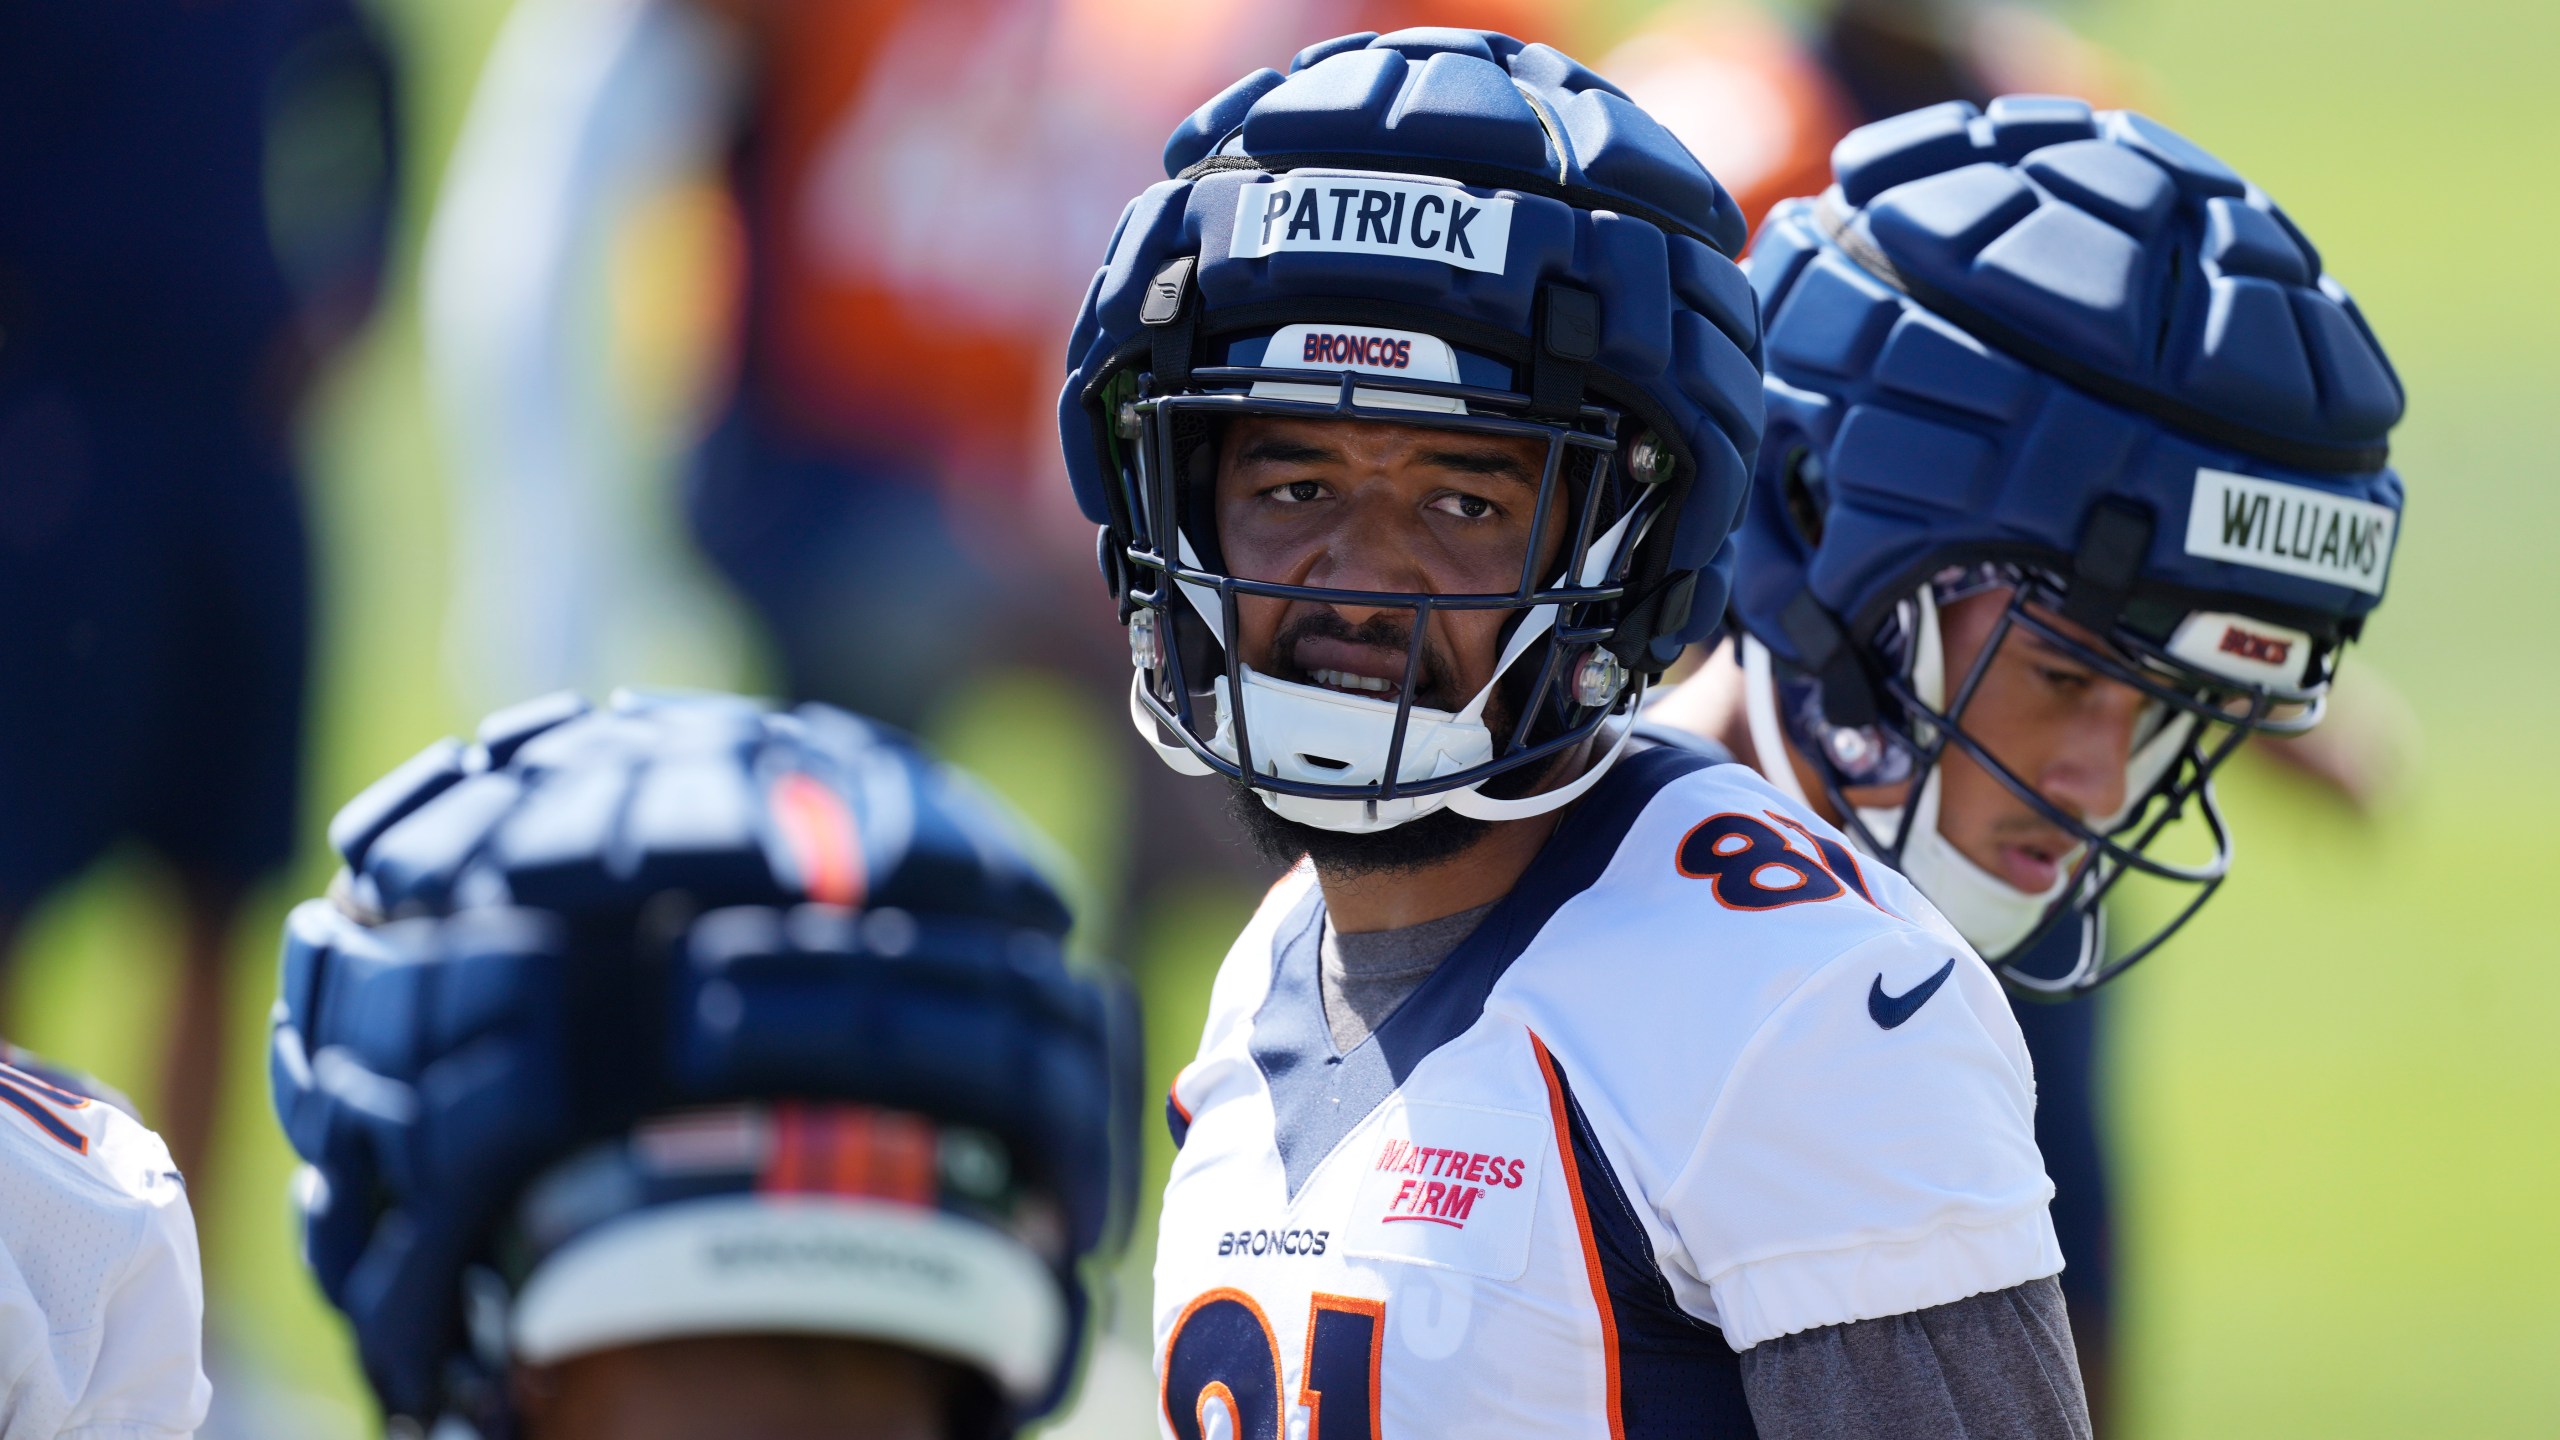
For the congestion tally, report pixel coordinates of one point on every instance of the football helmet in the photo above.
(686, 1017)
(1446, 229)
(2069, 356)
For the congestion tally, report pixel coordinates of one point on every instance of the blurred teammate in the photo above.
(1569, 1087)
(1761, 102)
(101, 1296)
(2075, 478)
(192, 209)
(912, 193)
(686, 1070)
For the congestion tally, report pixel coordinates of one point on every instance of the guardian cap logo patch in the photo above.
(2290, 529)
(1365, 215)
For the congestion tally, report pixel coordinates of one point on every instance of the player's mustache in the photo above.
(1435, 687)
(2035, 830)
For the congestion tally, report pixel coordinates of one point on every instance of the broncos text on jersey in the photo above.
(1699, 1081)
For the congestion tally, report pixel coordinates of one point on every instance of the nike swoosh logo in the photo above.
(1892, 1010)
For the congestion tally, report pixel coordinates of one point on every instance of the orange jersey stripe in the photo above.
(1582, 1223)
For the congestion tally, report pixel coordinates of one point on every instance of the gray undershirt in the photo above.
(1365, 977)
(1999, 1366)
(1993, 1367)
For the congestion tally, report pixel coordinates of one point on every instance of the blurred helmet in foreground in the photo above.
(687, 1017)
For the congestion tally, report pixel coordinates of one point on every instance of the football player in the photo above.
(687, 1070)
(2075, 477)
(916, 189)
(913, 191)
(194, 205)
(1761, 99)
(1570, 1086)
(101, 1293)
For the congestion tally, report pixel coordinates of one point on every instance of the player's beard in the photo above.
(1417, 844)
(1402, 849)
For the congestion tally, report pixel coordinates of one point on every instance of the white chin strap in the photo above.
(1314, 735)
(1991, 914)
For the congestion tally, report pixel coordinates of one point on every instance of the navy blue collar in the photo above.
(1317, 1095)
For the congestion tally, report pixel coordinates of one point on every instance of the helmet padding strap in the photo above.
(2114, 541)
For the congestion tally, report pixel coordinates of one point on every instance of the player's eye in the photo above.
(1464, 506)
(1297, 492)
(2071, 682)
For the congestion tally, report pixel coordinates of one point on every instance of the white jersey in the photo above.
(101, 1297)
(1698, 1081)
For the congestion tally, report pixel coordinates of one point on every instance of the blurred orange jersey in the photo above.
(931, 184)
(1757, 106)
(1748, 98)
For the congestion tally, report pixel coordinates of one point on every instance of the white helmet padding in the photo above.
(758, 1264)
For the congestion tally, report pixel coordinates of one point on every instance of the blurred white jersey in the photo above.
(101, 1296)
(1699, 1081)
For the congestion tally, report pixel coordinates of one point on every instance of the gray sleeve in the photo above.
(1993, 1367)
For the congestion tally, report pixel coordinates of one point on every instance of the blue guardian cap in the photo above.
(686, 1017)
(2069, 354)
(1440, 228)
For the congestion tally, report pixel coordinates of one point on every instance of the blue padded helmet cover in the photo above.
(1997, 320)
(1601, 198)
(590, 917)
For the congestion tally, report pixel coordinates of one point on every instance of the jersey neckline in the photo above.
(1319, 1096)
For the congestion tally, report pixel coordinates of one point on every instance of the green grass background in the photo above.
(2338, 1096)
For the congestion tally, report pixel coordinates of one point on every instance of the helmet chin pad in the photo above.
(2168, 767)
(1993, 916)
(1296, 741)
(1325, 737)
